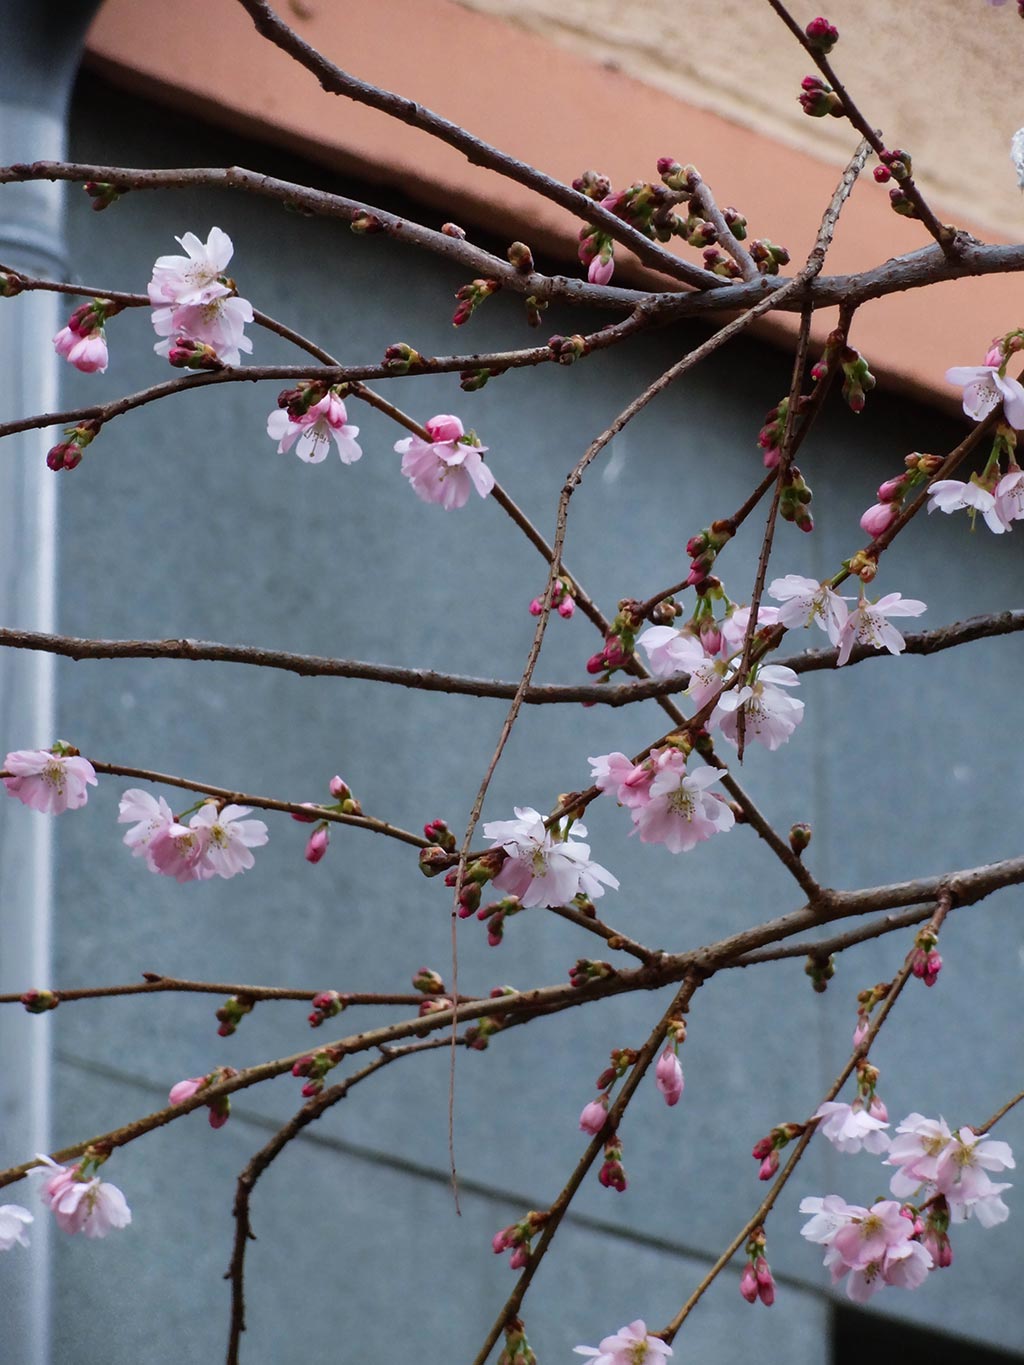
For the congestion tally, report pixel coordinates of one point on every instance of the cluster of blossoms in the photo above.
(545, 866)
(562, 600)
(707, 651)
(215, 843)
(941, 1176)
(196, 310)
(667, 804)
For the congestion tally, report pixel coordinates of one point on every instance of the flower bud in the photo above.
(317, 845)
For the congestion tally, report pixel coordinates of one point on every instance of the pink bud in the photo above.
(933, 966)
(593, 1117)
(184, 1090)
(763, 1147)
(317, 845)
(499, 1241)
(565, 608)
(769, 1166)
(860, 1032)
(339, 789)
(668, 1076)
(748, 1283)
(519, 1257)
(765, 1283)
(596, 663)
(890, 490)
(445, 427)
(995, 356)
(599, 271)
(879, 517)
(877, 1110)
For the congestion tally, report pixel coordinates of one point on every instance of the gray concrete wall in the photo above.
(184, 521)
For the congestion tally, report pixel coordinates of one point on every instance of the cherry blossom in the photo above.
(807, 602)
(630, 781)
(961, 1175)
(668, 1077)
(630, 1345)
(1009, 495)
(49, 780)
(734, 627)
(176, 851)
(679, 813)
(446, 469)
(771, 715)
(541, 869)
(869, 624)
(227, 839)
(14, 1221)
(79, 1203)
(849, 1127)
(151, 815)
(219, 324)
(985, 388)
(194, 278)
(311, 432)
(950, 495)
(916, 1150)
(670, 651)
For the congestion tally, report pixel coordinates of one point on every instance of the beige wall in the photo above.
(941, 78)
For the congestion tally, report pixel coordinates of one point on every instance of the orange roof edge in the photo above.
(206, 57)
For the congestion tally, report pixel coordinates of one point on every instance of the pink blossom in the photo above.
(195, 278)
(48, 780)
(734, 627)
(668, 1077)
(879, 517)
(227, 840)
(985, 388)
(542, 869)
(670, 651)
(679, 813)
(916, 1150)
(771, 715)
(311, 434)
(630, 782)
(849, 1127)
(961, 1175)
(184, 1090)
(446, 469)
(86, 351)
(951, 495)
(93, 1207)
(869, 624)
(14, 1221)
(594, 1117)
(219, 324)
(151, 814)
(176, 851)
(629, 1346)
(807, 602)
(316, 845)
(1009, 495)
